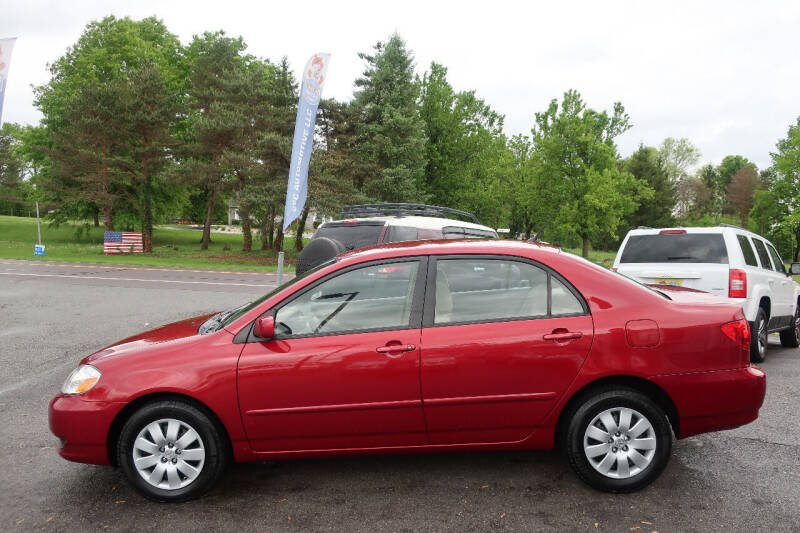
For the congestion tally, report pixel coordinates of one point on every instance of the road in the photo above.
(51, 315)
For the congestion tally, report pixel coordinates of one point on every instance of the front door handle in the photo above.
(395, 348)
(561, 336)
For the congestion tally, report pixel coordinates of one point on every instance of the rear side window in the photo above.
(352, 236)
(675, 248)
(482, 290)
(762, 254)
(400, 234)
(776, 259)
(747, 250)
(457, 232)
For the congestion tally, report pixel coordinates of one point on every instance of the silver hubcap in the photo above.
(797, 325)
(619, 442)
(762, 337)
(168, 454)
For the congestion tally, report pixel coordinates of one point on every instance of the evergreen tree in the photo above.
(646, 165)
(390, 147)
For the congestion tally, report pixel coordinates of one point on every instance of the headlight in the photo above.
(81, 380)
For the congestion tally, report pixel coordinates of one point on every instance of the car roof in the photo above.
(436, 223)
(703, 229)
(448, 246)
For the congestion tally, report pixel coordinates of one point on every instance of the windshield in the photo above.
(227, 317)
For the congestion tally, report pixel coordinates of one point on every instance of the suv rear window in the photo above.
(352, 236)
(747, 250)
(675, 248)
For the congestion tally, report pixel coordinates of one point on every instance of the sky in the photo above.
(725, 75)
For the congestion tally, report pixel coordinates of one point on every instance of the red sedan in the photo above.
(427, 346)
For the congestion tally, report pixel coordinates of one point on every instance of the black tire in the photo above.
(790, 338)
(317, 252)
(211, 467)
(759, 337)
(638, 406)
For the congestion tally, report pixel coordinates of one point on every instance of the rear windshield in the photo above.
(352, 236)
(675, 248)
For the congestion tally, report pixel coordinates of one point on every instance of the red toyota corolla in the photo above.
(427, 346)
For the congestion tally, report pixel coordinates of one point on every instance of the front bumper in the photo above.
(82, 427)
(712, 401)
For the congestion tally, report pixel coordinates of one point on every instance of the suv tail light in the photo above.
(737, 286)
(672, 232)
(739, 332)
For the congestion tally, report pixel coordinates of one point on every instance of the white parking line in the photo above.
(130, 279)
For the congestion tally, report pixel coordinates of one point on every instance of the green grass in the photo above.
(600, 257)
(171, 247)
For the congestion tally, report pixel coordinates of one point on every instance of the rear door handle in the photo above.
(563, 336)
(394, 348)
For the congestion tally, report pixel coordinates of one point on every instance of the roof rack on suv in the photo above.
(723, 225)
(377, 210)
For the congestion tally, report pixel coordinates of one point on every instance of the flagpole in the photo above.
(280, 259)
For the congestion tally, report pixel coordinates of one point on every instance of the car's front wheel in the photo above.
(618, 440)
(759, 337)
(171, 451)
(790, 338)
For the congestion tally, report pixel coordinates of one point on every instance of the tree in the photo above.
(465, 143)
(678, 156)
(579, 187)
(740, 192)
(88, 146)
(786, 184)
(391, 141)
(645, 165)
(217, 66)
(765, 211)
(12, 170)
(103, 66)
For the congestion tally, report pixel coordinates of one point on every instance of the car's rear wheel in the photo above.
(171, 451)
(790, 338)
(759, 337)
(618, 440)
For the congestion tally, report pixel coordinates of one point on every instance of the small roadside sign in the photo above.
(38, 249)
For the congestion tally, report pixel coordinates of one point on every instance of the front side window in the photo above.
(747, 250)
(776, 259)
(480, 290)
(369, 298)
(762, 254)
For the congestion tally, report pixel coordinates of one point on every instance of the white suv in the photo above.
(727, 261)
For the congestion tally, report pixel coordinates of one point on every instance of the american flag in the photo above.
(122, 242)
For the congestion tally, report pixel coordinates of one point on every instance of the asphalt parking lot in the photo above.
(51, 316)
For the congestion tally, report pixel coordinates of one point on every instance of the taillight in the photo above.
(672, 232)
(738, 332)
(737, 286)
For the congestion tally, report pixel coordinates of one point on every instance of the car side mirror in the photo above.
(794, 269)
(264, 328)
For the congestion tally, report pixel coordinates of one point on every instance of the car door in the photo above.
(343, 368)
(778, 308)
(784, 289)
(502, 339)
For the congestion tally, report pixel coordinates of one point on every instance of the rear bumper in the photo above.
(82, 427)
(711, 401)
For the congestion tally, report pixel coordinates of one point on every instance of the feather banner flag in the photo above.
(6, 47)
(310, 93)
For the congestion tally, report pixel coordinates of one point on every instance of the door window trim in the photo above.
(414, 319)
(429, 310)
